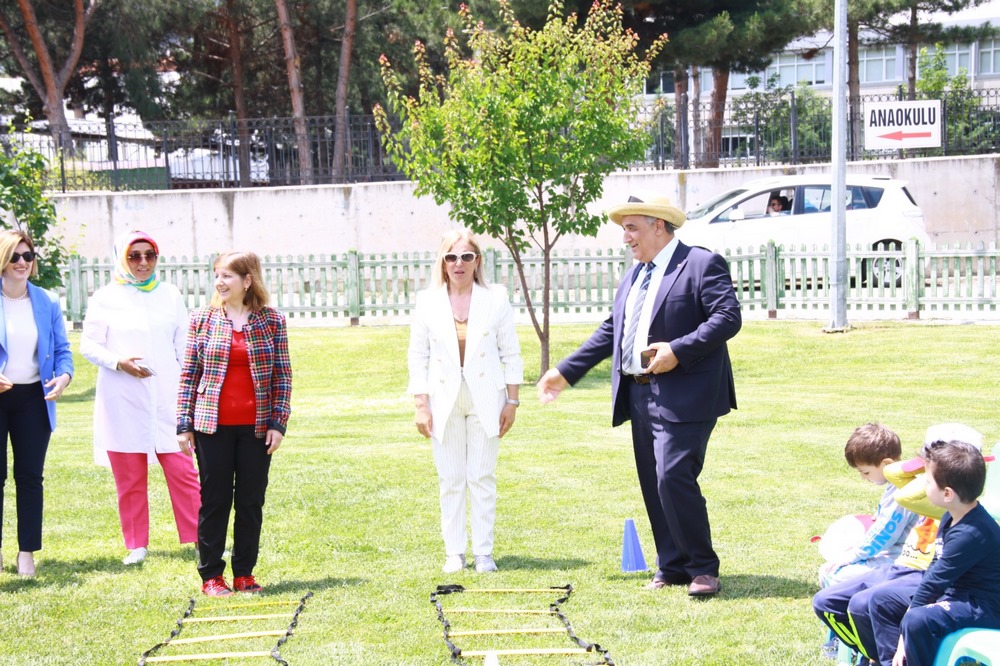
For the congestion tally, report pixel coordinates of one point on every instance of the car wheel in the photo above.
(884, 271)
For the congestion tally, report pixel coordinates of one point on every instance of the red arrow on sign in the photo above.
(901, 135)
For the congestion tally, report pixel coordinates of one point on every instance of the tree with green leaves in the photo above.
(724, 35)
(881, 23)
(519, 137)
(914, 32)
(48, 52)
(966, 124)
(24, 206)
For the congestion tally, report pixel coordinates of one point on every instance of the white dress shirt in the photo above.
(642, 334)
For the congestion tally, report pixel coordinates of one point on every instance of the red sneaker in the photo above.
(247, 584)
(216, 587)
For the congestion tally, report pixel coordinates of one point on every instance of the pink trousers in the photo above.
(131, 471)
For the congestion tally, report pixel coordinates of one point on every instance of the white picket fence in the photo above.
(770, 282)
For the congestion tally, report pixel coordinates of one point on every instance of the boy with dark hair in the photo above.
(869, 450)
(961, 589)
(850, 608)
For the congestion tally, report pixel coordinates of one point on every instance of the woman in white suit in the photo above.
(465, 373)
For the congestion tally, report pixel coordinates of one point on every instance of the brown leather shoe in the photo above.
(704, 586)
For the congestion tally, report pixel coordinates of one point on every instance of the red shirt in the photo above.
(237, 405)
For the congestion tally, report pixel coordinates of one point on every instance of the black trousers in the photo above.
(24, 419)
(233, 465)
(669, 457)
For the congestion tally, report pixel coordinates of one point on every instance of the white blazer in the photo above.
(492, 354)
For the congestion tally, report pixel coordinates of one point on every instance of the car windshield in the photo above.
(715, 203)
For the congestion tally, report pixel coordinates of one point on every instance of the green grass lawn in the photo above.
(352, 511)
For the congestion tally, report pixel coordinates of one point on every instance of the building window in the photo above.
(956, 57)
(738, 81)
(660, 83)
(792, 69)
(989, 56)
(877, 65)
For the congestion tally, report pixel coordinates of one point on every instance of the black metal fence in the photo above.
(264, 152)
(761, 129)
(756, 129)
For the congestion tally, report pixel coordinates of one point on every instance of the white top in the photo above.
(22, 341)
(133, 415)
(661, 260)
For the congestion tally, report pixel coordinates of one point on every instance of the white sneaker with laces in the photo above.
(453, 564)
(485, 564)
(135, 556)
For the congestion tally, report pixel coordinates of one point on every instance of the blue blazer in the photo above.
(696, 311)
(54, 354)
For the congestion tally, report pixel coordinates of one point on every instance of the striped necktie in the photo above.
(633, 323)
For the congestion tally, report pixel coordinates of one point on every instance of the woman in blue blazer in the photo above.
(36, 366)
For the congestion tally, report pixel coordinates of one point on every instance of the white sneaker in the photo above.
(485, 564)
(135, 556)
(453, 564)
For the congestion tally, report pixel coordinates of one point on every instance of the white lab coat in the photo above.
(133, 415)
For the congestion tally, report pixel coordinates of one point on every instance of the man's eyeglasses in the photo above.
(28, 257)
(466, 257)
(148, 255)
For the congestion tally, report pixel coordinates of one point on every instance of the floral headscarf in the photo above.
(123, 272)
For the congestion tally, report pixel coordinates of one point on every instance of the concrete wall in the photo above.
(958, 196)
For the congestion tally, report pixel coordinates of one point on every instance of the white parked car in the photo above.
(879, 210)
(881, 214)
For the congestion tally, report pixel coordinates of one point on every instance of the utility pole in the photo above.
(838, 241)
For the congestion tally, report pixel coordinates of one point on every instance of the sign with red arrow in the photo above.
(896, 125)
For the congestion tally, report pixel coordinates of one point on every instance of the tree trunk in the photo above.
(697, 134)
(293, 67)
(343, 75)
(680, 127)
(716, 116)
(49, 84)
(239, 92)
(853, 90)
(911, 48)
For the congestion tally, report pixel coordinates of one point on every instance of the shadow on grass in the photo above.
(301, 586)
(86, 395)
(762, 586)
(739, 586)
(515, 562)
(57, 573)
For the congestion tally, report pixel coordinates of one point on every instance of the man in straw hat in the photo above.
(671, 378)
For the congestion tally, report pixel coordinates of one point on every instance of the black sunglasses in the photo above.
(28, 257)
(149, 255)
(466, 257)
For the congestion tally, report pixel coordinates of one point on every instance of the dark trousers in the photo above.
(668, 458)
(233, 466)
(865, 612)
(925, 628)
(25, 420)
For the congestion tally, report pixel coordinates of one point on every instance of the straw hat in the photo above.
(653, 206)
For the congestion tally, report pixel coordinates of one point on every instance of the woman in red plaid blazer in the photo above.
(232, 409)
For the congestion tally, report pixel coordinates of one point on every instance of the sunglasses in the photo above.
(28, 257)
(148, 255)
(466, 257)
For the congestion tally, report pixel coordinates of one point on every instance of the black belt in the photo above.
(638, 379)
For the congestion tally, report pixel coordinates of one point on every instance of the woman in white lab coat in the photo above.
(135, 332)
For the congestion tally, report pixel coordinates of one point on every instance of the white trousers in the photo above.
(466, 458)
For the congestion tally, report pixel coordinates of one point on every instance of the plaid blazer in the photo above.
(206, 359)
